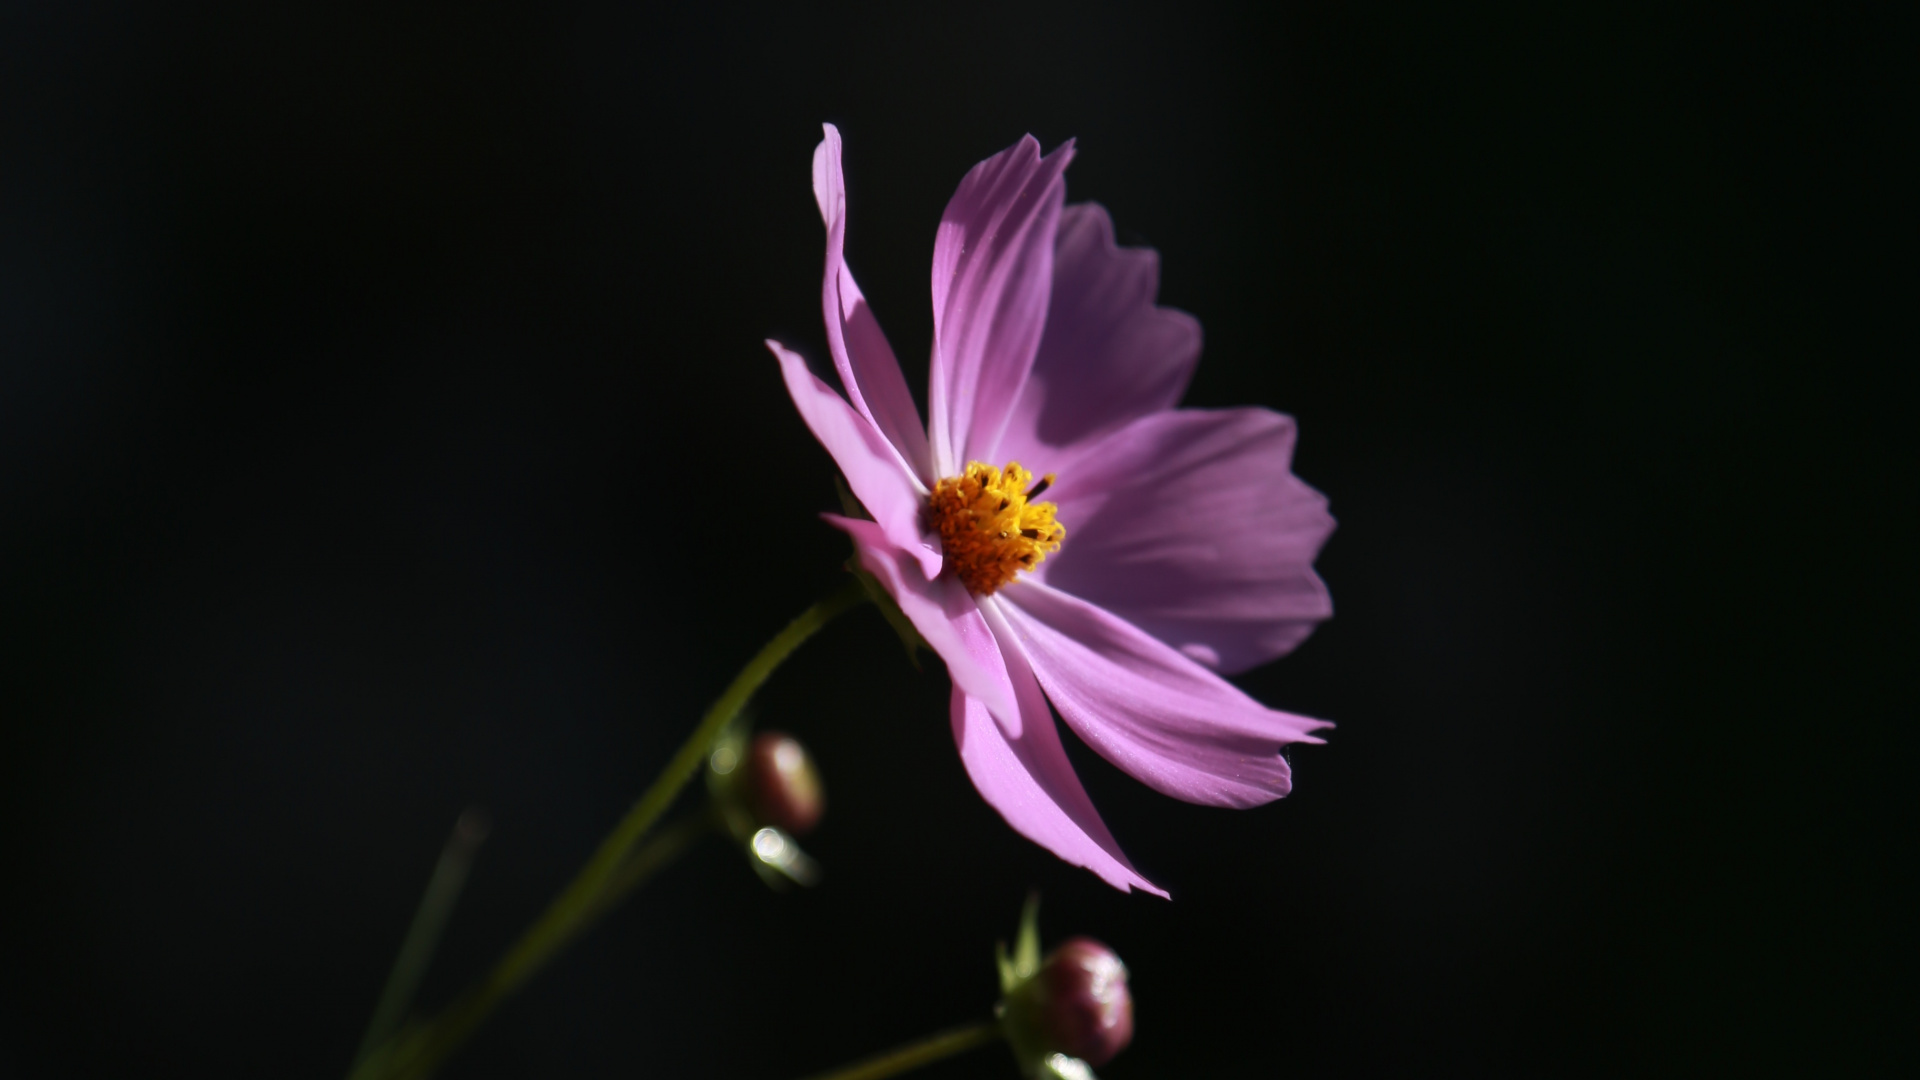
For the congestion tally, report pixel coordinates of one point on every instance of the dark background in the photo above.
(384, 429)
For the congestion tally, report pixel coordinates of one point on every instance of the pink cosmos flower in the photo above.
(1173, 545)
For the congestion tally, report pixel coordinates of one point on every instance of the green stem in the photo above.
(668, 844)
(423, 936)
(583, 897)
(925, 1052)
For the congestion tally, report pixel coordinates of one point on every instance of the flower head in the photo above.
(1059, 531)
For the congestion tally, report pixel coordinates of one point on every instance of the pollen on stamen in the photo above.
(990, 529)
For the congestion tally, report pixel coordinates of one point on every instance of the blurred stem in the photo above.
(670, 843)
(423, 936)
(584, 898)
(925, 1052)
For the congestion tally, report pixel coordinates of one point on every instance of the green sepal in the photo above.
(1008, 979)
(1022, 999)
(1026, 948)
(1062, 1067)
(1025, 961)
(783, 864)
(729, 748)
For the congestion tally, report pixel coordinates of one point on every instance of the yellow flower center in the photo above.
(989, 528)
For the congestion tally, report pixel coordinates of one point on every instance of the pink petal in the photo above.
(873, 470)
(1109, 356)
(865, 361)
(1174, 725)
(941, 609)
(1191, 525)
(1020, 768)
(992, 271)
(1017, 763)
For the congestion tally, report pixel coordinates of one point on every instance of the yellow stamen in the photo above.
(989, 530)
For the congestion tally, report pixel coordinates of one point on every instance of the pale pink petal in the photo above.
(873, 469)
(1018, 765)
(1191, 525)
(1172, 724)
(992, 270)
(941, 609)
(1109, 356)
(865, 361)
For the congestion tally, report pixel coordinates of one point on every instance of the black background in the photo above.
(384, 429)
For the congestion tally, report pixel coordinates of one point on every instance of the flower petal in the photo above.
(1016, 762)
(873, 469)
(1020, 768)
(868, 369)
(1148, 708)
(1109, 355)
(992, 271)
(1191, 525)
(941, 609)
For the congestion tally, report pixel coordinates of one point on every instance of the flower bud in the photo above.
(1089, 1012)
(1077, 1004)
(781, 786)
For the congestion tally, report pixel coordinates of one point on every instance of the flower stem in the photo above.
(429, 920)
(912, 1056)
(668, 844)
(584, 897)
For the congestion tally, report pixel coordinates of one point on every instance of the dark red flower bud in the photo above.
(1077, 1004)
(781, 786)
(1088, 1010)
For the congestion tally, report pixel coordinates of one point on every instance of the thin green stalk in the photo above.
(423, 936)
(668, 844)
(581, 898)
(925, 1052)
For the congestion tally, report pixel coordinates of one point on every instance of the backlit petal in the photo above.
(1171, 723)
(1191, 525)
(1109, 355)
(873, 469)
(1020, 768)
(941, 609)
(992, 272)
(867, 366)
